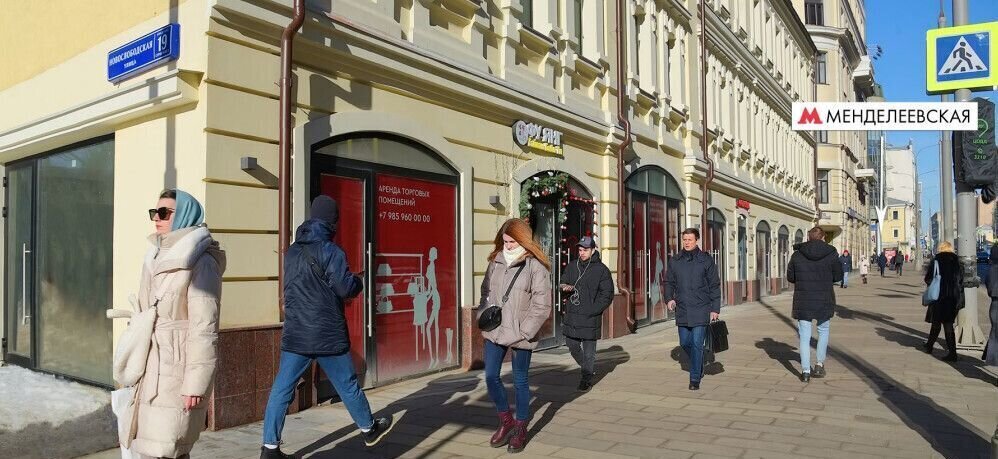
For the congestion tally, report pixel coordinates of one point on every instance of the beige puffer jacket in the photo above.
(185, 340)
(529, 302)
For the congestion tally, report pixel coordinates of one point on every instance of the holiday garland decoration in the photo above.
(552, 184)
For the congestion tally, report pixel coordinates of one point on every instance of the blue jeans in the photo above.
(804, 329)
(845, 279)
(341, 373)
(494, 355)
(692, 339)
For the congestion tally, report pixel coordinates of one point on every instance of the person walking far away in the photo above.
(899, 263)
(813, 269)
(864, 268)
(693, 290)
(317, 280)
(588, 288)
(882, 262)
(846, 261)
(182, 279)
(942, 312)
(518, 281)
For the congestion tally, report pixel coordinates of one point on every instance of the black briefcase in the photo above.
(717, 337)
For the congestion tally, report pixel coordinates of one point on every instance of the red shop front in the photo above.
(398, 223)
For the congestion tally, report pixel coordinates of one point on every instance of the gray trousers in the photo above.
(584, 352)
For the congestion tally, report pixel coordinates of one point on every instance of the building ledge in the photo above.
(101, 115)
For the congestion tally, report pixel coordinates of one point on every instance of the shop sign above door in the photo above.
(533, 135)
(159, 46)
(742, 204)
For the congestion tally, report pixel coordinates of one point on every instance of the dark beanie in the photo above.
(326, 209)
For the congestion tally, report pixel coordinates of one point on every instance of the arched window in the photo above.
(657, 208)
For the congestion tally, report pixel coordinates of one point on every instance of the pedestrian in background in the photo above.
(846, 261)
(587, 285)
(182, 279)
(524, 311)
(693, 290)
(942, 312)
(864, 268)
(882, 262)
(899, 263)
(317, 283)
(990, 356)
(813, 269)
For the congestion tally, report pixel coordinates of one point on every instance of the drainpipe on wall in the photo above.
(284, 148)
(703, 120)
(814, 91)
(623, 268)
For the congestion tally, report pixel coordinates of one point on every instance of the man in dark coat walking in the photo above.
(588, 290)
(317, 281)
(882, 262)
(899, 263)
(693, 290)
(846, 261)
(813, 269)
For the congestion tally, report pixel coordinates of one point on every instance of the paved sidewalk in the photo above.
(882, 397)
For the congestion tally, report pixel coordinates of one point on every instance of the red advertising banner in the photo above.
(659, 257)
(415, 276)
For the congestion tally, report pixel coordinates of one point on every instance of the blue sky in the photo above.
(899, 26)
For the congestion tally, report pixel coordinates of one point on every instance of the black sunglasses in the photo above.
(163, 212)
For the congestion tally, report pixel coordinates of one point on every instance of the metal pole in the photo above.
(881, 209)
(968, 329)
(946, 220)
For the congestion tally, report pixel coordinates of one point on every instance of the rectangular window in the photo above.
(578, 24)
(895, 233)
(895, 215)
(637, 47)
(814, 12)
(528, 13)
(823, 186)
(822, 136)
(821, 70)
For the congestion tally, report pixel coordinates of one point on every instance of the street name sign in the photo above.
(159, 46)
(961, 57)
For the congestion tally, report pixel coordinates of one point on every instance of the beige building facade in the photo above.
(844, 73)
(431, 123)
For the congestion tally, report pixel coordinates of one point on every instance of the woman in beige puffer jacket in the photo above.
(523, 314)
(182, 277)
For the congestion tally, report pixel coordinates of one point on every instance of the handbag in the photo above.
(491, 317)
(931, 294)
(132, 352)
(122, 405)
(716, 337)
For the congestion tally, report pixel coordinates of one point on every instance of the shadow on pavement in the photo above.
(711, 366)
(781, 352)
(453, 404)
(948, 434)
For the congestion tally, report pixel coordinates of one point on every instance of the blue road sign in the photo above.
(161, 45)
(963, 57)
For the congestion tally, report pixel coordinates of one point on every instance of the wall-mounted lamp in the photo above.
(247, 163)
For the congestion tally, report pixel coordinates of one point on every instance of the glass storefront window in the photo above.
(657, 207)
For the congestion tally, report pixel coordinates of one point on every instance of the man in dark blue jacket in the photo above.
(317, 281)
(693, 290)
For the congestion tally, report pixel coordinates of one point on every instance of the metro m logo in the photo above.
(809, 117)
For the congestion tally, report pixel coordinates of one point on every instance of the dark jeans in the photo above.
(584, 353)
(691, 339)
(900, 269)
(494, 355)
(881, 271)
(950, 336)
(341, 373)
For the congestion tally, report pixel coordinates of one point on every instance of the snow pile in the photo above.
(27, 397)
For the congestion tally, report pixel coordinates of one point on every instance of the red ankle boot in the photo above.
(501, 437)
(518, 440)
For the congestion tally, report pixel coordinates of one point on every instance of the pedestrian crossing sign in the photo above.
(961, 57)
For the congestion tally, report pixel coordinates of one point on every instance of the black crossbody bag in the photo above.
(491, 317)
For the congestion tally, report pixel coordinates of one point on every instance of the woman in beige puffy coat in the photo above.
(523, 314)
(182, 277)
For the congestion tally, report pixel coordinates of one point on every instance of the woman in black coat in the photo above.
(991, 349)
(942, 312)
